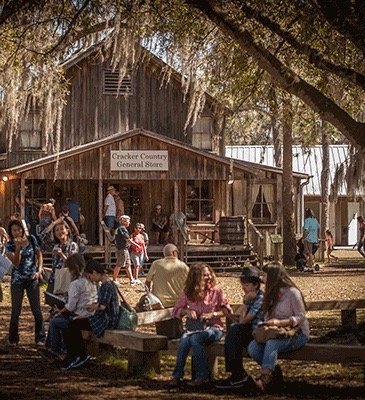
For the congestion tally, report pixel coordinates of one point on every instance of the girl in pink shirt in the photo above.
(203, 304)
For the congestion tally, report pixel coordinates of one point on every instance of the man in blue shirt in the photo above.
(310, 235)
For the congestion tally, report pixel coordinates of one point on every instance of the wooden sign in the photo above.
(139, 160)
(276, 239)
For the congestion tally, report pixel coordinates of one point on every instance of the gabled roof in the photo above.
(249, 167)
(307, 160)
(117, 137)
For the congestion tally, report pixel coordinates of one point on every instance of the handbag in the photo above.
(62, 280)
(149, 302)
(127, 318)
(263, 333)
(5, 266)
(193, 325)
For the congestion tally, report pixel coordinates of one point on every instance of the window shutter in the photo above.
(111, 82)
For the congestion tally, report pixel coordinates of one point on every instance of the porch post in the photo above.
(100, 197)
(22, 198)
(176, 208)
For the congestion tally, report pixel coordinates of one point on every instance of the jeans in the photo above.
(110, 221)
(54, 339)
(266, 354)
(73, 337)
(196, 341)
(360, 247)
(237, 339)
(17, 295)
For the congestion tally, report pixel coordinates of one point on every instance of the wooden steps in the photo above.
(222, 258)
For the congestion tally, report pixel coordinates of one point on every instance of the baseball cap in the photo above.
(250, 273)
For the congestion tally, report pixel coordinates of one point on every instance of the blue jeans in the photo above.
(54, 339)
(360, 248)
(196, 341)
(266, 354)
(110, 221)
(17, 295)
(237, 339)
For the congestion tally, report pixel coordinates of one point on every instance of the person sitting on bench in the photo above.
(106, 316)
(283, 306)
(240, 334)
(203, 304)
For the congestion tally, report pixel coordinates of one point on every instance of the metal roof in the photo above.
(305, 160)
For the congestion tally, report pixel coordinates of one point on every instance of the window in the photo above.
(202, 133)
(30, 132)
(199, 201)
(112, 85)
(261, 209)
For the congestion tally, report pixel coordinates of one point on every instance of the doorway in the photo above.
(353, 209)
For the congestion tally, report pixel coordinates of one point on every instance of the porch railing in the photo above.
(259, 240)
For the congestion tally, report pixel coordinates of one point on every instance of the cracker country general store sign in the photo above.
(139, 160)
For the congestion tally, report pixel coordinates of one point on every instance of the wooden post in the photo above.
(176, 210)
(22, 198)
(140, 361)
(100, 196)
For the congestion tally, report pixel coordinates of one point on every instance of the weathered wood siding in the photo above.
(90, 114)
(183, 164)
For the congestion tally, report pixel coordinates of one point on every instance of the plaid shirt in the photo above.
(254, 308)
(107, 318)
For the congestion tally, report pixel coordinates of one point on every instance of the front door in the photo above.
(353, 209)
(131, 194)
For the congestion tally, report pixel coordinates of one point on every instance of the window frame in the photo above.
(33, 128)
(264, 209)
(199, 200)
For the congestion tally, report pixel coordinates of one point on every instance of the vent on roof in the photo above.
(111, 83)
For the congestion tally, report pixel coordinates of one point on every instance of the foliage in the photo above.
(234, 49)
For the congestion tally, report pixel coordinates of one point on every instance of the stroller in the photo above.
(301, 260)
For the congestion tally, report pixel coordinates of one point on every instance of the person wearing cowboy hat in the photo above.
(110, 209)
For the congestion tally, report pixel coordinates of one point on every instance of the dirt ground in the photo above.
(24, 374)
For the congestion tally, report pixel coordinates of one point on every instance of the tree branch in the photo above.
(282, 75)
(347, 17)
(314, 56)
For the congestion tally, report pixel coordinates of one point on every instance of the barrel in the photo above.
(231, 230)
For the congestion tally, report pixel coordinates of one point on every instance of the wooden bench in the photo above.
(144, 349)
(207, 231)
(324, 353)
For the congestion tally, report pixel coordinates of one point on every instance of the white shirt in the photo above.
(81, 292)
(112, 209)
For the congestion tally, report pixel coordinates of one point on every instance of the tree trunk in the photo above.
(273, 105)
(324, 180)
(289, 243)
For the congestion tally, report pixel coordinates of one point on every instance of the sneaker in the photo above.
(81, 361)
(116, 283)
(133, 282)
(40, 343)
(231, 383)
(138, 282)
(70, 363)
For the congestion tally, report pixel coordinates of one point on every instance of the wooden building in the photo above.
(149, 168)
(157, 159)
